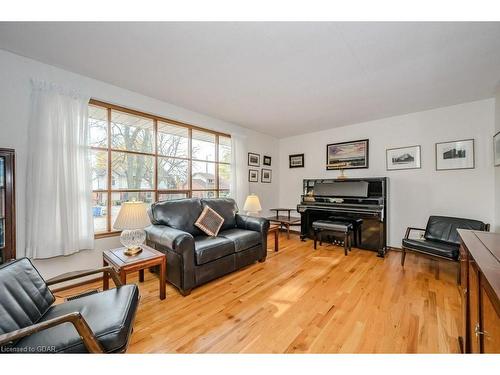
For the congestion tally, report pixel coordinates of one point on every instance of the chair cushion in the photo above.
(225, 207)
(110, 315)
(209, 221)
(207, 249)
(243, 239)
(336, 226)
(24, 296)
(433, 247)
(444, 229)
(179, 214)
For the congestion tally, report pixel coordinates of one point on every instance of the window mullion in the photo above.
(155, 129)
(108, 224)
(217, 166)
(190, 163)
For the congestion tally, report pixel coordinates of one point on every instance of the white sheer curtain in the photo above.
(239, 171)
(59, 185)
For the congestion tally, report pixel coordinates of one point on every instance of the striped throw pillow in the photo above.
(209, 221)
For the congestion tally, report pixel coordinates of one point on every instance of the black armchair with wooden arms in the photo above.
(440, 238)
(30, 322)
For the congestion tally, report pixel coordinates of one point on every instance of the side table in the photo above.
(274, 228)
(125, 264)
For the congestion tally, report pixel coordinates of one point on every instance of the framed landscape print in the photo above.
(253, 159)
(296, 161)
(496, 149)
(266, 160)
(455, 155)
(347, 155)
(266, 175)
(253, 175)
(403, 158)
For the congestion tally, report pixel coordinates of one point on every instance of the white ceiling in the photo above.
(278, 78)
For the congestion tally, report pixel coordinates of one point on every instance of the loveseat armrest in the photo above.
(171, 238)
(257, 224)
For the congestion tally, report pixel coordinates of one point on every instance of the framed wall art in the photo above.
(455, 155)
(266, 160)
(253, 159)
(266, 175)
(403, 158)
(296, 161)
(347, 155)
(253, 175)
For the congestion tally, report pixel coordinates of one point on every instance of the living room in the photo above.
(251, 187)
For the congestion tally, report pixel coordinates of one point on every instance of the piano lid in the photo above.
(355, 189)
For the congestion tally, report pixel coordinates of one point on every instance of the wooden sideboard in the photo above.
(480, 291)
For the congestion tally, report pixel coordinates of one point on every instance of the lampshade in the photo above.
(252, 204)
(132, 215)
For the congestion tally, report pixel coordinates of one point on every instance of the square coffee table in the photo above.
(124, 264)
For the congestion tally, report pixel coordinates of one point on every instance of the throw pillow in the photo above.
(209, 221)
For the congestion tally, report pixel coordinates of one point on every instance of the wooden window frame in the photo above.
(156, 192)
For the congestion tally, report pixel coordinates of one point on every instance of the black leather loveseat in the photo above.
(193, 258)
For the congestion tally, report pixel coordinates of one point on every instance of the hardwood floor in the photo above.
(305, 301)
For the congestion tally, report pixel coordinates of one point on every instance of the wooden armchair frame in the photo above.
(405, 249)
(75, 318)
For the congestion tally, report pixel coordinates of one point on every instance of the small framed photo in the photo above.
(455, 155)
(403, 158)
(496, 149)
(253, 159)
(266, 160)
(253, 175)
(296, 161)
(266, 175)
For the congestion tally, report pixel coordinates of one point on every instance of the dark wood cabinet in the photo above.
(490, 321)
(7, 205)
(474, 306)
(480, 289)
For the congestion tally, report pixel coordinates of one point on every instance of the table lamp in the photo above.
(252, 205)
(131, 220)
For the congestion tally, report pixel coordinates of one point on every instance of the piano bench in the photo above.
(357, 226)
(338, 227)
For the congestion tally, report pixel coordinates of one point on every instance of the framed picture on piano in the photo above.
(347, 155)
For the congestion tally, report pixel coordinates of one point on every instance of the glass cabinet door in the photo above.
(2, 207)
(7, 206)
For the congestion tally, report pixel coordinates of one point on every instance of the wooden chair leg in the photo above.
(403, 256)
(315, 238)
(459, 274)
(346, 242)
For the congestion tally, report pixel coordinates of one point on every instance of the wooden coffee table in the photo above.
(284, 221)
(125, 264)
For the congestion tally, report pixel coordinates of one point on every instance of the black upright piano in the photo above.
(350, 198)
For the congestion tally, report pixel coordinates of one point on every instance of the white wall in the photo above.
(15, 74)
(413, 194)
(497, 169)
